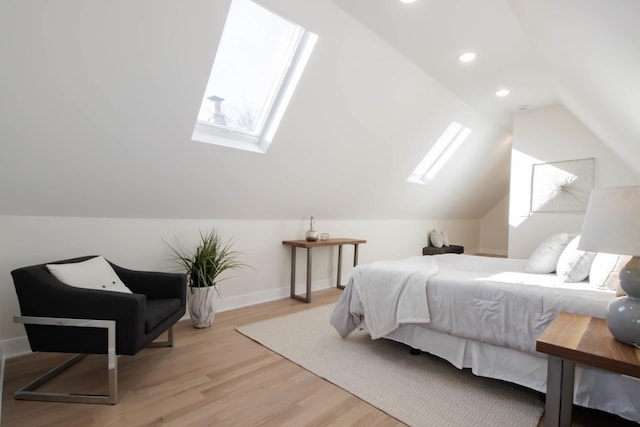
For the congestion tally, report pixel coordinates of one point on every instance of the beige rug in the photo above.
(417, 390)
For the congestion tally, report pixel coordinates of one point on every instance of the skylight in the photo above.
(259, 61)
(450, 140)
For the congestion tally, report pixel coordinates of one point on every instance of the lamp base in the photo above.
(623, 320)
(630, 277)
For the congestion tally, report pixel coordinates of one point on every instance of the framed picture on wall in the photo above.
(562, 186)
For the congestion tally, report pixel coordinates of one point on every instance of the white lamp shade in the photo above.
(612, 221)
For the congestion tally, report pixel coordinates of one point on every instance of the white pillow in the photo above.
(574, 264)
(95, 273)
(436, 239)
(605, 271)
(445, 239)
(544, 258)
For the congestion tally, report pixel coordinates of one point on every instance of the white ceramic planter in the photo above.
(201, 306)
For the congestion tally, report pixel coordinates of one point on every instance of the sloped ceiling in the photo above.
(434, 33)
(98, 102)
(584, 54)
(592, 49)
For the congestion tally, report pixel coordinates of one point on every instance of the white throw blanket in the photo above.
(400, 284)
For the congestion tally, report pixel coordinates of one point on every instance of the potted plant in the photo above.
(212, 257)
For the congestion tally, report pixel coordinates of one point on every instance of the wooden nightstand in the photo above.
(571, 339)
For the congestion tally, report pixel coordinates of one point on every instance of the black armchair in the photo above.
(67, 319)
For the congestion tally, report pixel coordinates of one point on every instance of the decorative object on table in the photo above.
(312, 233)
(324, 236)
(612, 225)
(212, 257)
(561, 186)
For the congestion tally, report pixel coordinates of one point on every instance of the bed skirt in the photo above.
(593, 388)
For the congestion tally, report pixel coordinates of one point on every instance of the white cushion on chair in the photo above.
(95, 273)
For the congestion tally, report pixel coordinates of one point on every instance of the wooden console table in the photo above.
(571, 339)
(339, 242)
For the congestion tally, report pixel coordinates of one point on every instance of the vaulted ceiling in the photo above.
(584, 54)
(98, 102)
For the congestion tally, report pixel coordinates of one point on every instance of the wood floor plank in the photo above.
(211, 377)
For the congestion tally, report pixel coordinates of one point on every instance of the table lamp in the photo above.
(612, 225)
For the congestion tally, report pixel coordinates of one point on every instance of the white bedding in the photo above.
(486, 299)
(377, 287)
(486, 314)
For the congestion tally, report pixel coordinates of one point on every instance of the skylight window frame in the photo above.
(277, 102)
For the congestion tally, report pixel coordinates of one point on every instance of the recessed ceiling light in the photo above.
(408, 1)
(467, 57)
(502, 92)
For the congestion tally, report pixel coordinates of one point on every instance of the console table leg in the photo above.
(308, 275)
(307, 297)
(355, 254)
(293, 271)
(339, 281)
(308, 246)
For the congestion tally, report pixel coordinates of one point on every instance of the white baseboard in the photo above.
(496, 252)
(14, 347)
(225, 304)
(10, 348)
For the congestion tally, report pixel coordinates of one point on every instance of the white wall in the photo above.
(98, 105)
(591, 48)
(140, 244)
(494, 229)
(545, 135)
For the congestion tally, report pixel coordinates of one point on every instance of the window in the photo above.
(259, 61)
(445, 146)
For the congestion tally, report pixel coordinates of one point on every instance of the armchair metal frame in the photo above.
(29, 392)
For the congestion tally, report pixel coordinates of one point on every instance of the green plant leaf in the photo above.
(212, 257)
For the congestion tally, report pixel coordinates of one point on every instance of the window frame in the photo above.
(275, 107)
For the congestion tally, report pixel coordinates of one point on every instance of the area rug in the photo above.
(418, 390)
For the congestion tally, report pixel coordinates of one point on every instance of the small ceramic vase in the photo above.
(312, 233)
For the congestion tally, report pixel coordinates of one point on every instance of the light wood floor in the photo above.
(212, 376)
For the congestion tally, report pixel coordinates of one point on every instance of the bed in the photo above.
(481, 313)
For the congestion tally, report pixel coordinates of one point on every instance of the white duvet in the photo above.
(486, 299)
